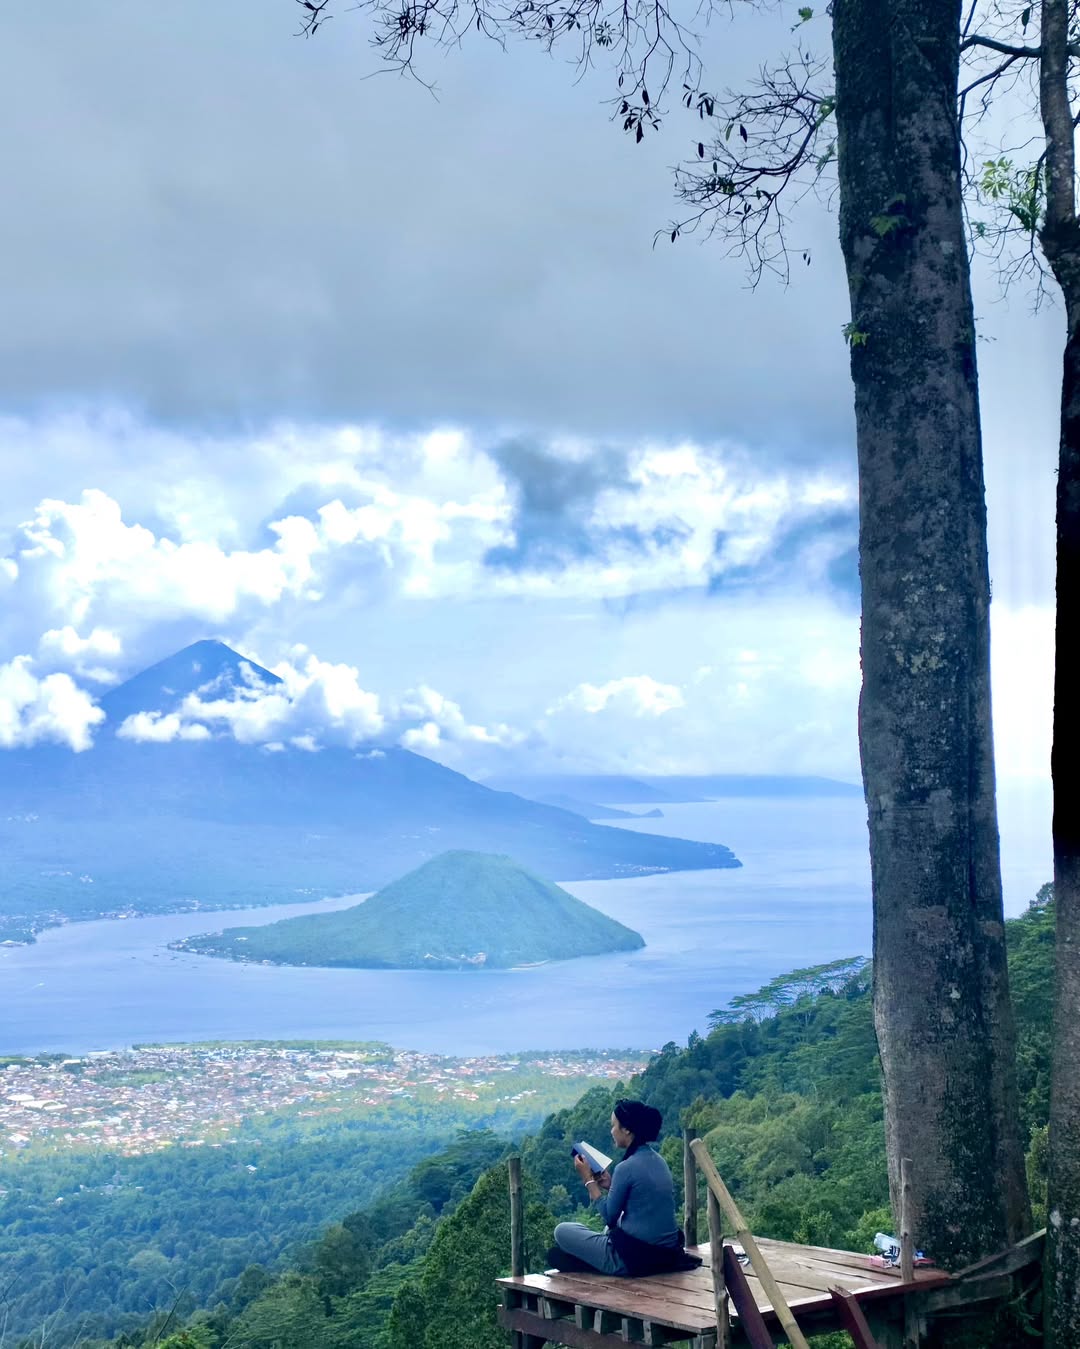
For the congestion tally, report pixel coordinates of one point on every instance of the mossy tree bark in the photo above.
(941, 1001)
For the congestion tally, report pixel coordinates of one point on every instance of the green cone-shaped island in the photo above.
(461, 910)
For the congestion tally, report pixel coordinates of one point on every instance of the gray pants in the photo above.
(593, 1247)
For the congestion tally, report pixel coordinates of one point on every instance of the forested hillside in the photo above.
(93, 1238)
(785, 1091)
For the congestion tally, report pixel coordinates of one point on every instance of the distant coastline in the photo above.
(20, 929)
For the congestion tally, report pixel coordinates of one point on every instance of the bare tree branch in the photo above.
(761, 151)
(1007, 49)
(766, 153)
(647, 42)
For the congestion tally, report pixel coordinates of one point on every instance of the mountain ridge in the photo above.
(135, 826)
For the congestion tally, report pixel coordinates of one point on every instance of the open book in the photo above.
(593, 1156)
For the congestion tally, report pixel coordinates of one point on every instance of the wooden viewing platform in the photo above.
(594, 1310)
(748, 1291)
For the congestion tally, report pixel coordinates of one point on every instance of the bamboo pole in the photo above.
(517, 1225)
(719, 1283)
(689, 1172)
(749, 1245)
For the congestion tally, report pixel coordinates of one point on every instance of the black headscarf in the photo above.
(642, 1120)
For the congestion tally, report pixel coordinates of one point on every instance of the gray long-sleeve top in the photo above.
(642, 1198)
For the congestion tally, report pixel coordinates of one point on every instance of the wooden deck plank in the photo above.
(582, 1288)
(827, 1253)
(824, 1258)
(885, 1281)
(612, 1295)
(693, 1291)
(819, 1280)
(697, 1298)
(693, 1305)
(792, 1274)
(796, 1297)
(663, 1307)
(810, 1276)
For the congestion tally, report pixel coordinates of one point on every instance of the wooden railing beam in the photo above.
(761, 1269)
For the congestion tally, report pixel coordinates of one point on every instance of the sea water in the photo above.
(801, 897)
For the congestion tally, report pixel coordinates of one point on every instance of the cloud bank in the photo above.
(51, 708)
(496, 603)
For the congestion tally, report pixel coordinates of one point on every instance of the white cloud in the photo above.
(64, 647)
(50, 708)
(634, 695)
(319, 702)
(355, 539)
(361, 514)
(442, 723)
(160, 728)
(81, 561)
(67, 642)
(420, 738)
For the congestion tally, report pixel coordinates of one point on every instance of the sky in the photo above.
(392, 391)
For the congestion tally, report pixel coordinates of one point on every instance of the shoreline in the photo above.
(34, 924)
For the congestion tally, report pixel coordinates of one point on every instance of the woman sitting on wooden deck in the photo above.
(637, 1202)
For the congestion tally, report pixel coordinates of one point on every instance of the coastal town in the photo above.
(139, 1100)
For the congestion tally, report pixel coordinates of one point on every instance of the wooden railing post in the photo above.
(517, 1221)
(746, 1237)
(719, 1282)
(912, 1336)
(907, 1244)
(689, 1172)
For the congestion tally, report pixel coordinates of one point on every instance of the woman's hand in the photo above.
(604, 1180)
(582, 1167)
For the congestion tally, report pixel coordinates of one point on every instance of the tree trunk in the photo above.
(941, 1002)
(1063, 1227)
(1061, 242)
(1060, 238)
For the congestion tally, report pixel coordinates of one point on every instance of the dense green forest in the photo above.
(784, 1089)
(461, 910)
(92, 1240)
